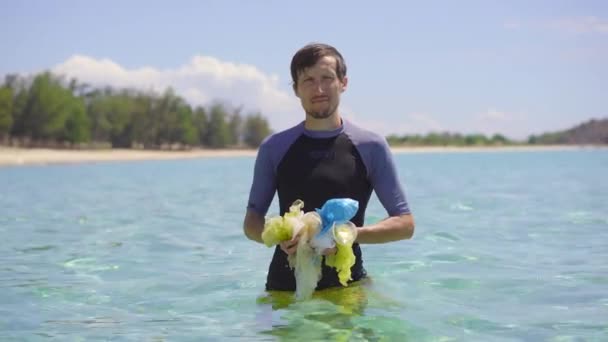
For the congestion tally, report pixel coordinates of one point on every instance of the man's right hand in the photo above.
(253, 225)
(290, 246)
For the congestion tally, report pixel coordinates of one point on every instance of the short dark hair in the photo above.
(310, 54)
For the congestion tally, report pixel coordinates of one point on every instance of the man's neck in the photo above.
(329, 124)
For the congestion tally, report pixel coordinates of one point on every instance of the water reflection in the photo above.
(335, 314)
(328, 315)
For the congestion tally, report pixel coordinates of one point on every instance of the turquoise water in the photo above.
(509, 246)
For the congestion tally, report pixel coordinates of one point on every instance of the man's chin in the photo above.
(319, 115)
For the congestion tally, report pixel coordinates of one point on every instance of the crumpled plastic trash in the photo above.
(345, 235)
(317, 230)
(281, 228)
(305, 262)
(335, 211)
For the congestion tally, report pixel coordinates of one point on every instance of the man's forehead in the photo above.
(327, 63)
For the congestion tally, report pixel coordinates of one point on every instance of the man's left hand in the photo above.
(329, 251)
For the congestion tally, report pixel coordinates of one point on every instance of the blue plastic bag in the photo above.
(337, 211)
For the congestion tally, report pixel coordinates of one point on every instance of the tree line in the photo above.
(449, 139)
(48, 110)
(593, 132)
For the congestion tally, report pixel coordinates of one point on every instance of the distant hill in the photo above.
(593, 132)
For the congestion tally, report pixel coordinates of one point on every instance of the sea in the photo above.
(508, 246)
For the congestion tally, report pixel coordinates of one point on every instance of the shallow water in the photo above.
(509, 246)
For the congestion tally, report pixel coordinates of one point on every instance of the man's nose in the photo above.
(318, 86)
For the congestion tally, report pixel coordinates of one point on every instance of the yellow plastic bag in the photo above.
(344, 259)
(282, 228)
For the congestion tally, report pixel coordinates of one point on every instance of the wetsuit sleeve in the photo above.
(385, 181)
(263, 186)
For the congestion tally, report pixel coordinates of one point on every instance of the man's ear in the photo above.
(344, 84)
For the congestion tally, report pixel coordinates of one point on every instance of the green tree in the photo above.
(201, 125)
(256, 129)
(218, 132)
(142, 130)
(499, 139)
(187, 133)
(48, 108)
(99, 108)
(6, 111)
(476, 140)
(236, 127)
(166, 117)
(19, 105)
(394, 140)
(77, 126)
(120, 118)
(433, 139)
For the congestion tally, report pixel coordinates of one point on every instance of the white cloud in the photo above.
(514, 125)
(494, 115)
(512, 24)
(200, 81)
(205, 79)
(581, 24)
(421, 123)
(587, 24)
(492, 121)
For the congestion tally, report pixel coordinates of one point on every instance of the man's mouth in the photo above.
(318, 99)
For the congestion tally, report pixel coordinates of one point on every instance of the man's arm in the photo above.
(253, 225)
(261, 194)
(393, 228)
(383, 175)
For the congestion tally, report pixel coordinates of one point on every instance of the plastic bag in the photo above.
(345, 235)
(317, 230)
(334, 212)
(282, 228)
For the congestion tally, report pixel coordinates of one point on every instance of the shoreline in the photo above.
(506, 148)
(12, 156)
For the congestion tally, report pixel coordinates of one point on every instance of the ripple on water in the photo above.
(583, 217)
(23, 282)
(460, 207)
(35, 249)
(442, 237)
(409, 265)
(479, 325)
(449, 257)
(574, 326)
(88, 264)
(455, 283)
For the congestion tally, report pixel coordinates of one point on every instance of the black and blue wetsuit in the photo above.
(316, 166)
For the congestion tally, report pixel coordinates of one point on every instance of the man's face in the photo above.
(319, 88)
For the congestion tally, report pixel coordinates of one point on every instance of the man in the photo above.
(324, 157)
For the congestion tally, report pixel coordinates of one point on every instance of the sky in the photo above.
(511, 67)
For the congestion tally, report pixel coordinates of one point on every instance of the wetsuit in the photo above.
(315, 166)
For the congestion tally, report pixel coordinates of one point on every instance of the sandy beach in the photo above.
(10, 156)
(39, 156)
